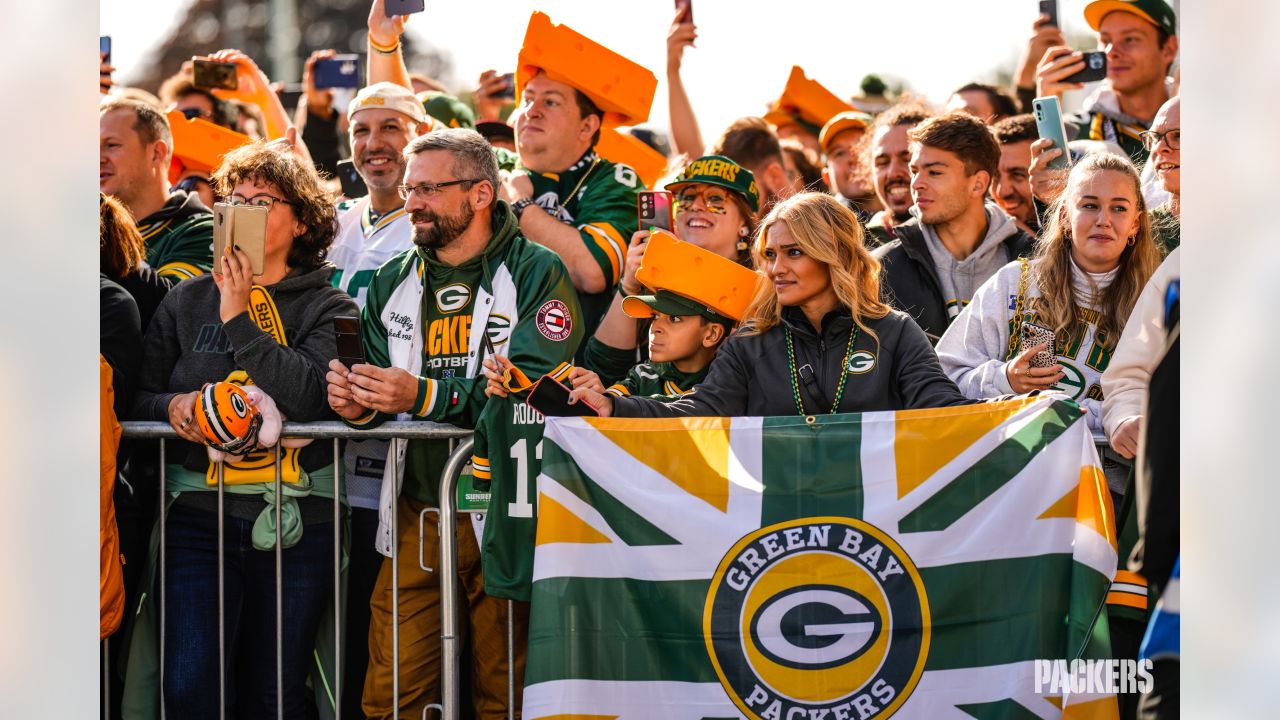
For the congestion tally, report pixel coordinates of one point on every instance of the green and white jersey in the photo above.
(430, 318)
(597, 197)
(179, 237)
(363, 245)
(660, 381)
(507, 459)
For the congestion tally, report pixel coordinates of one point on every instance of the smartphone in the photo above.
(686, 11)
(1048, 112)
(1095, 68)
(104, 47)
(508, 91)
(339, 71)
(346, 331)
(403, 7)
(210, 74)
(352, 184)
(290, 94)
(1050, 8)
(551, 398)
(1033, 335)
(654, 210)
(242, 225)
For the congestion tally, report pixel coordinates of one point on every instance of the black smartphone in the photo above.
(654, 209)
(508, 91)
(346, 331)
(352, 184)
(104, 47)
(551, 398)
(1095, 68)
(686, 10)
(290, 94)
(1050, 8)
(403, 7)
(339, 71)
(210, 74)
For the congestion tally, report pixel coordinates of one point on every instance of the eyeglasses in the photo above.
(714, 200)
(192, 113)
(262, 200)
(191, 183)
(1172, 138)
(426, 190)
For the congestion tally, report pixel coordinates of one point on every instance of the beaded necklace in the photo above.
(795, 377)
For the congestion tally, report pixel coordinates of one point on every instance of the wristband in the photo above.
(518, 207)
(384, 49)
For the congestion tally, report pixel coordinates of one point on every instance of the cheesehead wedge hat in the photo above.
(806, 103)
(700, 275)
(1156, 12)
(622, 89)
(720, 170)
(669, 302)
(618, 146)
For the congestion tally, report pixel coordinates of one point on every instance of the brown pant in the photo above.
(419, 619)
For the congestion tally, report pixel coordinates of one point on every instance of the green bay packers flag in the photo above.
(912, 564)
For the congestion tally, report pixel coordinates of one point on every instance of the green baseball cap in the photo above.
(1156, 12)
(670, 303)
(447, 109)
(720, 170)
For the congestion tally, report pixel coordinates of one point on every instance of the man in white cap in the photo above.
(383, 118)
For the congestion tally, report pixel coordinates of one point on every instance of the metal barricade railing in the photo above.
(396, 432)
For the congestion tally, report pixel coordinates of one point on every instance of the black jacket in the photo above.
(751, 374)
(909, 281)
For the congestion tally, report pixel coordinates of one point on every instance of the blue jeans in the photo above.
(191, 616)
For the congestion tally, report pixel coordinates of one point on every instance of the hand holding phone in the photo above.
(1048, 112)
(1032, 335)
(339, 71)
(685, 8)
(403, 7)
(551, 398)
(353, 185)
(208, 74)
(244, 226)
(1095, 68)
(346, 331)
(508, 91)
(1050, 8)
(104, 48)
(654, 210)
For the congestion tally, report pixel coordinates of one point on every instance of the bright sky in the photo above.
(743, 56)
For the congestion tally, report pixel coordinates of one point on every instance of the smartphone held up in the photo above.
(208, 74)
(1048, 112)
(654, 210)
(243, 227)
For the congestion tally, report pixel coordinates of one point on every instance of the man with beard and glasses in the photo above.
(382, 120)
(890, 155)
(472, 286)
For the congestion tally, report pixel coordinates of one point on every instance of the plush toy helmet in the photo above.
(228, 421)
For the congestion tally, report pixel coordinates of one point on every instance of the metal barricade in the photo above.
(397, 432)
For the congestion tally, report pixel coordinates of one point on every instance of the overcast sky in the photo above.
(745, 48)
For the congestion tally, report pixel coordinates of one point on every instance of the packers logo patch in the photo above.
(452, 298)
(861, 362)
(553, 320)
(817, 617)
(1072, 382)
(498, 329)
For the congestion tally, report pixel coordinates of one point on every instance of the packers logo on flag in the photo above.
(814, 616)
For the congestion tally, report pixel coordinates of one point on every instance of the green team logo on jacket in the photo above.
(452, 298)
(815, 616)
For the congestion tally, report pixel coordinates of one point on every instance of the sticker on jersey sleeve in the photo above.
(554, 321)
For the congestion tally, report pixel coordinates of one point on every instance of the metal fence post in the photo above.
(222, 602)
(163, 590)
(279, 490)
(450, 642)
(338, 605)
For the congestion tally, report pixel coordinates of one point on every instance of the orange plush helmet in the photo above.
(228, 421)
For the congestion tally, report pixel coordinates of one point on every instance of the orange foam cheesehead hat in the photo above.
(716, 282)
(619, 87)
(805, 102)
(199, 144)
(617, 146)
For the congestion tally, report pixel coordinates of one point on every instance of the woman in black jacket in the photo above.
(819, 341)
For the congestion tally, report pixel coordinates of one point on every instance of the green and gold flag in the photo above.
(912, 564)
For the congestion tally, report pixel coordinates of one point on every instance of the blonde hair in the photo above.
(1057, 307)
(830, 233)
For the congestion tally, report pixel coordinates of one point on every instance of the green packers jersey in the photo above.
(431, 319)
(597, 197)
(179, 238)
(660, 381)
(507, 459)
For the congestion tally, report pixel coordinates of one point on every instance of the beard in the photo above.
(444, 228)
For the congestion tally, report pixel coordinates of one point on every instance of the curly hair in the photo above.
(830, 233)
(298, 183)
(1057, 307)
(120, 245)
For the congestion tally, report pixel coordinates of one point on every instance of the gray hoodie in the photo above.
(960, 279)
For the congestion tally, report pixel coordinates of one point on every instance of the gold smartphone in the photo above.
(242, 225)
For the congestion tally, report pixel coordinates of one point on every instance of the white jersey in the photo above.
(359, 250)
